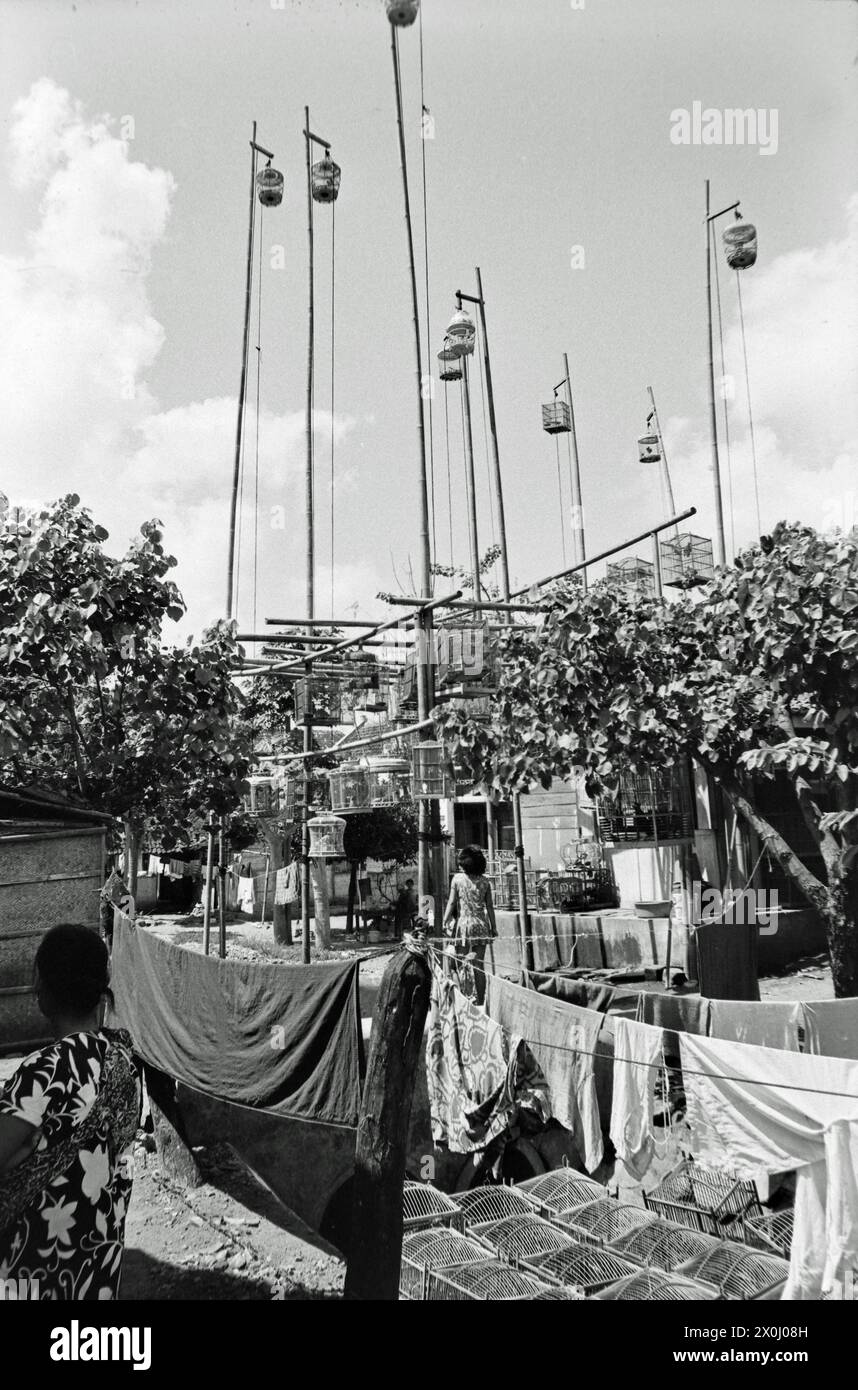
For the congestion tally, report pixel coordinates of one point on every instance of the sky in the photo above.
(123, 231)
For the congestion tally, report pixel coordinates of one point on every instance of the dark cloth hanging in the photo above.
(277, 1037)
(587, 994)
(727, 960)
(675, 1013)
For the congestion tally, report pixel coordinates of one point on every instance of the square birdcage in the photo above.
(432, 777)
(263, 797)
(653, 806)
(702, 1198)
(465, 654)
(349, 787)
(318, 700)
(469, 704)
(556, 418)
(632, 573)
(687, 560)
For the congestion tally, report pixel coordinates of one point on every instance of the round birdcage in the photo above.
(388, 780)
(450, 369)
(326, 835)
(461, 334)
(325, 180)
(648, 447)
(740, 244)
(402, 12)
(269, 187)
(431, 773)
(349, 786)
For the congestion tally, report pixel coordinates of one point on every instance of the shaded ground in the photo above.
(228, 1239)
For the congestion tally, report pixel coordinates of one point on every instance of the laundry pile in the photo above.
(757, 1105)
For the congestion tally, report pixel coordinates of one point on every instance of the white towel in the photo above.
(638, 1047)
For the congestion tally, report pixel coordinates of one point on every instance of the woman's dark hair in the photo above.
(71, 970)
(471, 860)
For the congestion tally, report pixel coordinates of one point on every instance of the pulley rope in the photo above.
(429, 371)
(726, 408)
(560, 490)
(490, 491)
(258, 384)
(333, 282)
(748, 394)
(449, 478)
(471, 537)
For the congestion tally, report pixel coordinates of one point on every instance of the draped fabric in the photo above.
(755, 1110)
(284, 1038)
(587, 994)
(638, 1049)
(831, 1027)
(769, 1024)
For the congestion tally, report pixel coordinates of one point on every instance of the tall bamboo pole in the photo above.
(663, 466)
(578, 551)
(245, 345)
(425, 697)
(721, 552)
(308, 503)
(471, 480)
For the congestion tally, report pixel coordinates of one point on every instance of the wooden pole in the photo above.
(243, 386)
(663, 466)
(382, 1135)
(578, 551)
(221, 895)
(308, 702)
(471, 481)
(265, 889)
(207, 890)
(493, 428)
(721, 554)
(424, 637)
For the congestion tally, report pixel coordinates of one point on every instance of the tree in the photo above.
(757, 679)
(388, 834)
(91, 703)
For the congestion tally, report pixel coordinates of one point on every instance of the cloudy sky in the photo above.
(122, 260)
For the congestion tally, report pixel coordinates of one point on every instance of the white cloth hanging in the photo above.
(755, 1110)
(245, 898)
(831, 1027)
(769, 1024)
(638, 1049)
(287, 884)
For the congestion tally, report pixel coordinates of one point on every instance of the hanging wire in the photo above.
(449, 476)
(726, 409)
(423, 114)
(465, 461)
(748, 394)
(333, 282)
(258, 384)
(490, 490)
(560, 490)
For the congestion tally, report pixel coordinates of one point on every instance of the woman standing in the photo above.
(68, 1118)
(471, 911)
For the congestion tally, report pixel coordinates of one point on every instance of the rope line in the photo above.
(750, 411)
(489, 488)
(560, 490)
(258, 386)
(333, 282)
(449, 477)
(423, 114)
(471, 544)
(726, 407)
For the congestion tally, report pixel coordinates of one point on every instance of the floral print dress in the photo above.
(69, 1238)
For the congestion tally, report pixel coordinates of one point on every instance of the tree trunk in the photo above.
(131, 857)
(281, 926)
(321, 904)
(350, 909)
(375, 1250)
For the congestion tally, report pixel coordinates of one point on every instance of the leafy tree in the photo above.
(91, 703)
(388, 834)
(757, 679)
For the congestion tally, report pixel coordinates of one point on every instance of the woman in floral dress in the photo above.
(469, 922)
(68, 1118)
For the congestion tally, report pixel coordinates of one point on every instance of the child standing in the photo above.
(469, 921)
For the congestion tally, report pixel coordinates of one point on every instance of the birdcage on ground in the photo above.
(520, 1237)
(561, 1189)
(769, 1230)
(437, 1248)
(584, 1267)
(493, 1203)
(664, 1244)
(737, 1272)
(649, 1285)
(425, 1206)
(702, 1198)
(603, 1221)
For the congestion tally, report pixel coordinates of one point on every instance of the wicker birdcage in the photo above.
(484, 1204)
(584, 1267)
(488, 1281)
(325, 180)
(602, 1222)
(740, 244)
(349, 787)
(633, 573)
(649, 1285)
(521, 1237)
(424, 1206)
(738, 1272)
(269, 186)
(562, 1189)
(464, 654)
(326, 836)
(702, 1198)
(687, 560)
(769, 1230)
(440, 1247)
(388, 780)
(556, 418)
(664, 1244)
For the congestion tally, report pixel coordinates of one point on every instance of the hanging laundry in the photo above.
(479, 1079)
(245, 897)
(563, 1040)
(755, 1110)
(831, 1027)
(638, 1051)
(774, 1024)
(676, 1014)
(587, 994)
(193, 868)
(155, 866)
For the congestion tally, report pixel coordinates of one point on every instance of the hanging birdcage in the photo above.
(287, 788)
(450, 369)
(318, 700)
(470, 704)
(263, 798)
(269, 187)
(325, 180)
(371, 697)
(556, 418)
(326, 835)
(740, 244)
(632, 573)
(402, 12)
(463, 654)
(349, 788)
(388, 780)
(461, 336)
(687, 560)
(648, 447)
(432, 775)
(407, 687)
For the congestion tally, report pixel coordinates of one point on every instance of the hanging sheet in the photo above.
(587, 994)
(727, 960)
(755, 1110)
(770, 1024)
(479, 1079)
(831, 1027)
(638, 1050)
(285, 1038)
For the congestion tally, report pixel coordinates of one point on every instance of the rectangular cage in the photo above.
(686, 560)
(656, 806)
(702, 1198)
(632, 573)
(432, 775)
(318, 700)
(556, 418)
(464, 654)
(504, 884)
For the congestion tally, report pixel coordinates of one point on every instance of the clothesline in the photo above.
(658, 1066)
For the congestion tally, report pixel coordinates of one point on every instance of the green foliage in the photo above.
(388, 834)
